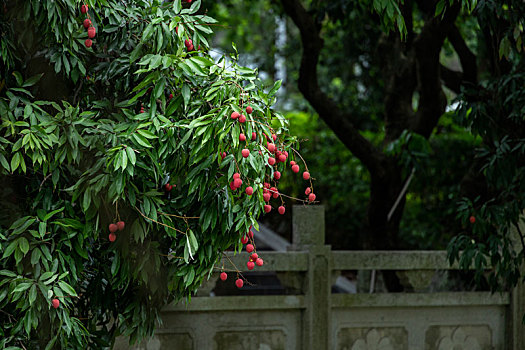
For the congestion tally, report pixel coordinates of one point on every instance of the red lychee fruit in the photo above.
(188, 43)
(311, 197)
(235, 115)
(267, 208)
(242, 118)
(277, 175)
(244, 239)
(91, 32)
(306, 175)
(236, 176)
(282, 158)
(254, 256)
(266, 185)
(239, 283)
(223, 155)
(87, 23)
(245, 153)
(232, 186)
(274, 137)
(249, 109)
(472, 219)
(295, 168)
(292, 162)
(249, 190)
(259, 262)
(249, 248)
(254, 136)
(271, 160)
(224, 276)
(113, 228)
(242, 137)
(191, 48)
(170, 96)
(281, 210)
(237, 183)
(271, 147)
(56, 303)
(250, 265)
(307, 191)
(84, 9)
(250, 233)
(275, 192)
(112, 237)
(121, 225)
(267, 197)
(88, 43)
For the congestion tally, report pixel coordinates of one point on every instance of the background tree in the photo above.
(381, 75)
(124, 168)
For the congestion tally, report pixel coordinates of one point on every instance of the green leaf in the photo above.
(131, 155)
(32, 294)
(67, 288)
(141, 140)
(186, 94)
(22, 286)
(23, 244)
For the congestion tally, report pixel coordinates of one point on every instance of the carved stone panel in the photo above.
(388, 338)
(259, 340)
(458, 338)
(173, 341)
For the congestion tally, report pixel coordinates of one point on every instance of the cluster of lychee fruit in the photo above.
(91, 31)
(252, 261)
(119, 226)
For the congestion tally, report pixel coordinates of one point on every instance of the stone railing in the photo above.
(314, 318)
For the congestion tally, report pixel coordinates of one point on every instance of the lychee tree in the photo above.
(125, 177)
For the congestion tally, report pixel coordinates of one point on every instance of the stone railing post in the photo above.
(517, 301)
(309, 235)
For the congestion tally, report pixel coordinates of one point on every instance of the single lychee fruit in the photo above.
(271, 160)
(274, 137)
(237, 183)
(112, 237)
(245, 153)
(472, 219)
(281, 210)
(242, 137)
(307, 191)
(235, 115)
(250, 233)
(282, 158)
(113, 228)
(84, 9)
(275, 192)
(306, 175)
(295, 168)
(271, 147)
(250, 265)
(244, 239)
(87, 23)
(170, 96)
(223, 155)
(249, 109)
(239, 283)
(311, 197)
(266, 185)
(277, 175)
(254, 256)
(121, 225)
(267, 197)
(259, 262)
(167, 187)
(267, 208)
(224, 276)
(249, 248)
(232, 186)
(56, 303)
(242, 118)
(188, 43)
(91, 32)
(236, 176)
(88, 43)
(254, 136)
(191, 48)
(249, 190)
(292, 162)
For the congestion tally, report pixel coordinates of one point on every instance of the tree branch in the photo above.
(451, 78)
(466, 57)
(327, 109)
(428, 44)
